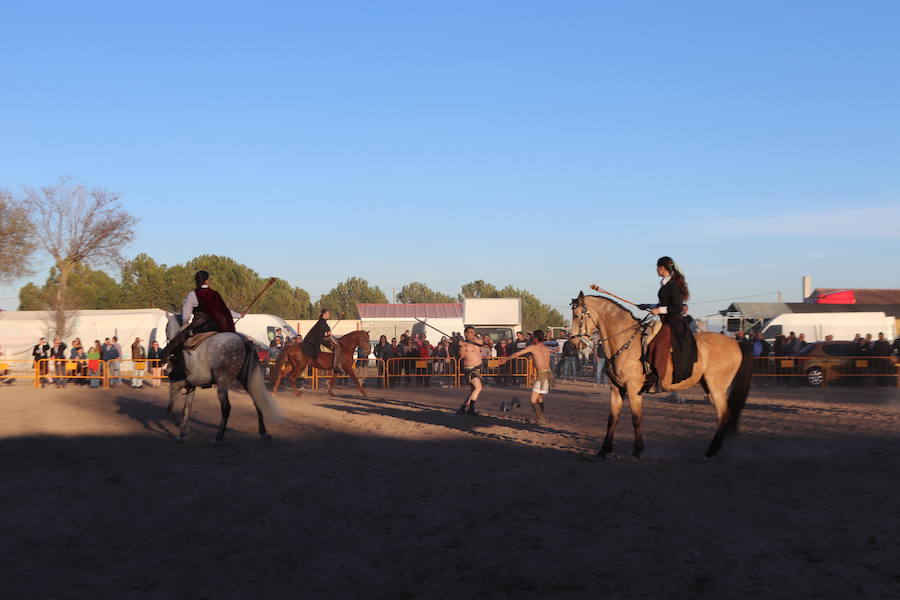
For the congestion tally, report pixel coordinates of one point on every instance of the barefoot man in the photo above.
(470, 354)
(541, 356)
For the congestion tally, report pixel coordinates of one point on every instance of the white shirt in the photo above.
(664, 310)
(190, 303)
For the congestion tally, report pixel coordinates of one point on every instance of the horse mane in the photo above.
(616, 304)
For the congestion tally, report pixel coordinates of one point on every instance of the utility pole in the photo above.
(779, 296)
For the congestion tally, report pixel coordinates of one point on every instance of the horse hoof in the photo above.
(180, 438)
(266, 438)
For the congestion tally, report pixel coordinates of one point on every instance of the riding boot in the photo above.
(651, 384)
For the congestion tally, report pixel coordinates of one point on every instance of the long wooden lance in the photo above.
(597, 288)
(267, 286)
(449, 337)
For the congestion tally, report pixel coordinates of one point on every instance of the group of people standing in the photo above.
(58, 363)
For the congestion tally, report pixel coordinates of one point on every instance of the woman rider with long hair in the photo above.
(675, 332)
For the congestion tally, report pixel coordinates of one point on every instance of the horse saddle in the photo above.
(195, 340)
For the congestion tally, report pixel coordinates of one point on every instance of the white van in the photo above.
(262, 327)
(840, 325)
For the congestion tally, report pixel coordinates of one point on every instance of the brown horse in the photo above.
(299, 361)
(721, 363)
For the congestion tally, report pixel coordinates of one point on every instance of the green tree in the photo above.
(535, 314)
(237, 283)
(86, 289)
(17, 241)
(283, 300)
(419, 293)
(77, 227)
(146, 284)
(478, 289)
(345, 295)
(31, 297)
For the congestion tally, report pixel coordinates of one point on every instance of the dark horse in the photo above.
(299, 361)
(721, 363)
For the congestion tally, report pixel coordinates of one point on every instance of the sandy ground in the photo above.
(395, 496)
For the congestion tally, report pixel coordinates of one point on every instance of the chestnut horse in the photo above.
(721, 363)
(299, 361)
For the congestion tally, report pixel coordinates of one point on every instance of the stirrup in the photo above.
(651, 386)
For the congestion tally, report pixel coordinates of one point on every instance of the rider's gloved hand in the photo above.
(645, 306)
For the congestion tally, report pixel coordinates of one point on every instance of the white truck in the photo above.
(497, 317)
(262, 327)
(840, 325)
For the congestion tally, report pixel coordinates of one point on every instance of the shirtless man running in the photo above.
(540, 354)
(470, 353)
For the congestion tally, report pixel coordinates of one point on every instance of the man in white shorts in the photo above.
(540, 354)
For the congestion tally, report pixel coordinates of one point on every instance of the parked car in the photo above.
(823, 361)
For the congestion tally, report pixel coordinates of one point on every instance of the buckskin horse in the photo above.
(221, 359)
(721, 363)
(299, 361)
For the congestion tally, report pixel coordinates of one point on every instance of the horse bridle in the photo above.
(640, 325)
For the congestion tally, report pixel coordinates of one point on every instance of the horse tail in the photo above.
(256, 387)
(740, 388)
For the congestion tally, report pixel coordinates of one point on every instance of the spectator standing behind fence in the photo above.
(116, 367)
(95, 355)
(442, 366)
(58, 354)
(109, 353)
(378, 351)
(759, 347)
(896, 346)
(410, 353)
(41, 351)
(392, 351)
(153, 357)
(77, 364)
(599, 363)
(4, 368)
(791, 345)
(570, 356)
(138, 363)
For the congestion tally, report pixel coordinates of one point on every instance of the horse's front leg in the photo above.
(174, 388)
(186, 415)
(222, 392)
(331, 383)
(352, 372)
(615, 407)
(636, 403)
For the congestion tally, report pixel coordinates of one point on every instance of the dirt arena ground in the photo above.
(395, 496)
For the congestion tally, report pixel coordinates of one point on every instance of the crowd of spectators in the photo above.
(59, 363)
(793, 344)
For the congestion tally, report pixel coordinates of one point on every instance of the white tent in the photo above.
(20, 330)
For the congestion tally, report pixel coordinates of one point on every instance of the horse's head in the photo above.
(578, 308)
(364, 342)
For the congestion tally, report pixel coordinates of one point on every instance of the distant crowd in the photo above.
(58, 363)
(793, 345)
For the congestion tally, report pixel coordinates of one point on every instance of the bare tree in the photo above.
(16, 238)
(77, 225)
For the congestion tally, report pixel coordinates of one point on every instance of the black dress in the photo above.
(684, 346)
(315, 338)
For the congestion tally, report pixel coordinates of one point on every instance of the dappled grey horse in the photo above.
(220, 360)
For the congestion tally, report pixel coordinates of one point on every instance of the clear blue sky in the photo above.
(754, 142)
